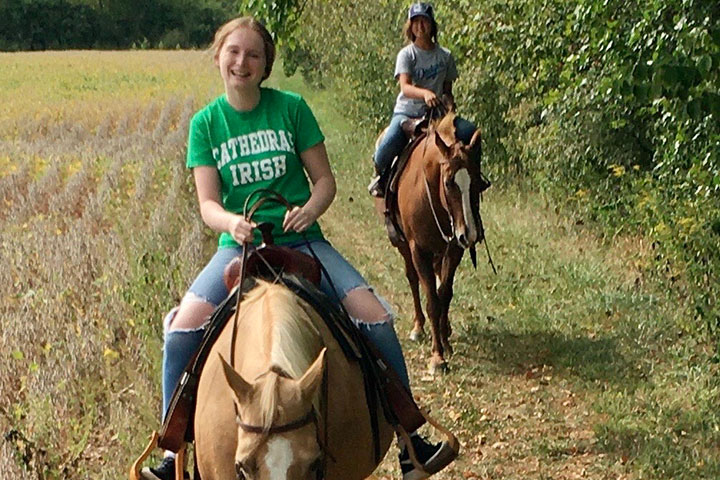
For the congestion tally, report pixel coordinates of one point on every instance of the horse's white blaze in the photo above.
(279, 457)
(462, 178)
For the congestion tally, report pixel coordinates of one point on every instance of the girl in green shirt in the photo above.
(255, 137)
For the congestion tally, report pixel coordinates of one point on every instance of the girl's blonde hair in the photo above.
(246, 22)
(410, 37)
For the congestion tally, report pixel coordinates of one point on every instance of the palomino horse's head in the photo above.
(460, 181)
(277, 424)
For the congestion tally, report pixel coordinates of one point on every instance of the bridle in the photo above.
(441, 193)
(433, 114)
(310, 418)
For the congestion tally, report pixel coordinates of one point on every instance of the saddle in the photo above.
(269, 260)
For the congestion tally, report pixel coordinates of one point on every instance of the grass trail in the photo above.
(569, 363)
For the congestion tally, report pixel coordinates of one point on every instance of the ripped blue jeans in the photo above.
(208, 286)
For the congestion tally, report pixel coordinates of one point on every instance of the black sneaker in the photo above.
(164, 471)
(433, 457)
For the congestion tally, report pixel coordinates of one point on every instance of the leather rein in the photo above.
(311, 416)
(447, 238)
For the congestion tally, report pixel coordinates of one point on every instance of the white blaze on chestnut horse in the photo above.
(438, 195)
(261, 420)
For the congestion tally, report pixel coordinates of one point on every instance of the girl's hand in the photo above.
(430, 98)
(240, 229)
(299, 219)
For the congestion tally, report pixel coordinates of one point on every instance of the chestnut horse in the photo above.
(269, 416)
(438, 195)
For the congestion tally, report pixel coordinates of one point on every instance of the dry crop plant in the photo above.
(99, 237)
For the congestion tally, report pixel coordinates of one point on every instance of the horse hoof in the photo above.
(448, 349)
(438, 367)
(417, 335)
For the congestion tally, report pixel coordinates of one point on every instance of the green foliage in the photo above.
(351, 46)
(609, 107)
(63, 24)
(45, 24)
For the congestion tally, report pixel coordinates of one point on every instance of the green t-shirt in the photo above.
(257, 149)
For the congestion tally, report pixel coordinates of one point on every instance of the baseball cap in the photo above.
(420, 9)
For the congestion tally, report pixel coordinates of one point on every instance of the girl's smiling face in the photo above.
(421, 27)
(241, 59)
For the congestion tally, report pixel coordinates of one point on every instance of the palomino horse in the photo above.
(438, 194)
(269, 416)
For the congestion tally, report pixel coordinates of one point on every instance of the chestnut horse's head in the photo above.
(460, 182)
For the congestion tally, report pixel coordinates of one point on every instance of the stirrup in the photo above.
(179, 459)
(135, 468)
(451, 439)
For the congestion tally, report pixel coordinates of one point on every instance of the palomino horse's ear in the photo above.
(444, 149)
(242, 389)
(312, 379)
(474, 140)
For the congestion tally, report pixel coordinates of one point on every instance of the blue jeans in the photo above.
(395, 140)
(209, 285)
(180, 345)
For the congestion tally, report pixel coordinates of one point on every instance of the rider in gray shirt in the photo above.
(425, 71)
(428, 69)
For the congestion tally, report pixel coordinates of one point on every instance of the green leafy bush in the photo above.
(610, 107)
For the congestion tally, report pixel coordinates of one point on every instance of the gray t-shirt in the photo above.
(428, 69)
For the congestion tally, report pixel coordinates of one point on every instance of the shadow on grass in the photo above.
(590, 359)
(661, 439)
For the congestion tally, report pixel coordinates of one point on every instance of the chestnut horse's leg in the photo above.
(423, 262)
(450, 262)
(418, 331)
